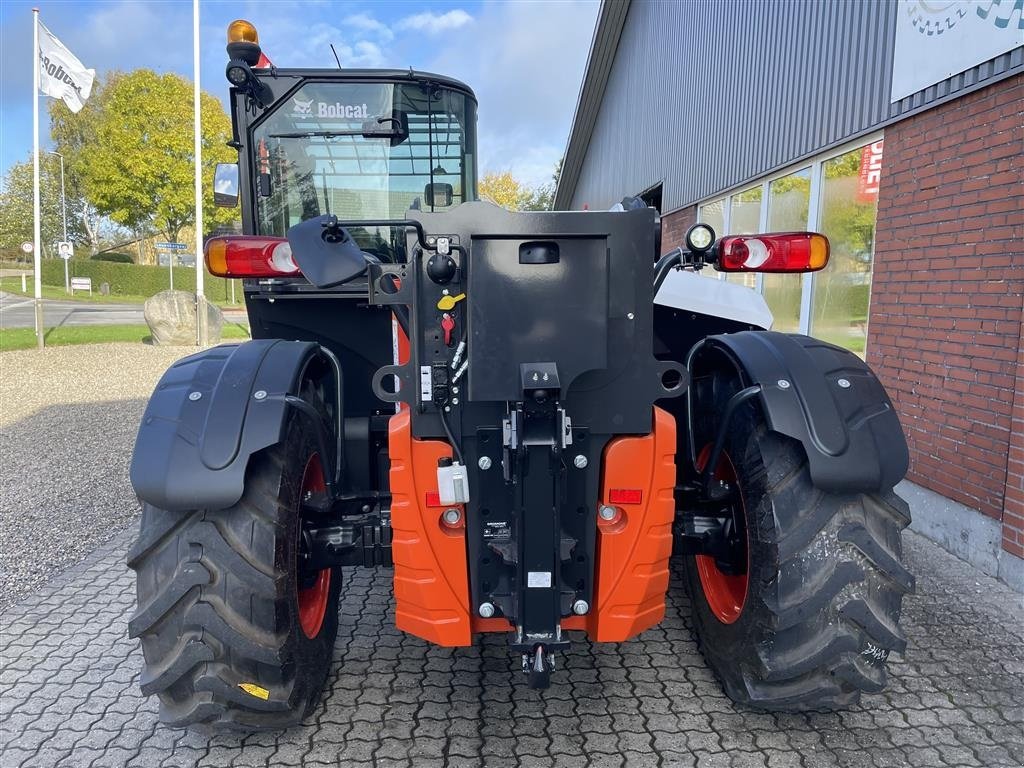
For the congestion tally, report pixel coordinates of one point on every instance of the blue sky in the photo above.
(523, 59)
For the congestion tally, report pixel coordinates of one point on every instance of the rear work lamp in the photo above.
(249, 256)
(777, 252)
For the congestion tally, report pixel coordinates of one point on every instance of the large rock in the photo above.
(171, 317)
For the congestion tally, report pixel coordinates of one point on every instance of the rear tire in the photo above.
(818, 613)
(233, 632)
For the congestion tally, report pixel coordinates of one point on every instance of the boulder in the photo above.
(171, 317)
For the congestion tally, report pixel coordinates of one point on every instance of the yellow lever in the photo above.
(447, 303)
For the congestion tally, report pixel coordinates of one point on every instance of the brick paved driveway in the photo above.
(69, 697)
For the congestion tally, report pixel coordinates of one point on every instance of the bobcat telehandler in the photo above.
(524, 415)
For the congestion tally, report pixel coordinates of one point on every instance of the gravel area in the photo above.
(68, 417)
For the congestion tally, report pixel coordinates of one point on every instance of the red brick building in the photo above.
(903, 141)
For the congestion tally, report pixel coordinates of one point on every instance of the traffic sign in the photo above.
(170, 246)
(26, 247)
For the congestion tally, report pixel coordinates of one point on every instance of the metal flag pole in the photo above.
(36, 237)
(202, 335)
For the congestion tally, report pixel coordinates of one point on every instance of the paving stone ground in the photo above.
(69, 691)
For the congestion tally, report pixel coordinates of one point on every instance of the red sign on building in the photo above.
(870, 172)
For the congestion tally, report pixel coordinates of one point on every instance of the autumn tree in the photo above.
(508, 192)
(132, 151)
(501, 189)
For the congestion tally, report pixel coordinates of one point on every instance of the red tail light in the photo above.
(249, 256)
(780, 252)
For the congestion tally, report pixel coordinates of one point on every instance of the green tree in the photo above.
(16, 208)
(133, 152)
(74, 136)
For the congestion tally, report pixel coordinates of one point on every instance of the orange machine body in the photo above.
(431, 569)
(633, 550)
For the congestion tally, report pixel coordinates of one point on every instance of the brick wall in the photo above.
(674, 226)
(947, 297)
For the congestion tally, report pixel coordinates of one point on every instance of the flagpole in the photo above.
(202, 335)
(36, 237)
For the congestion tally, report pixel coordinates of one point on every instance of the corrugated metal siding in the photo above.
(705, 95)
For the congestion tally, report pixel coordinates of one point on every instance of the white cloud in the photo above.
(525, 63)
(433, 23)
(364, 22)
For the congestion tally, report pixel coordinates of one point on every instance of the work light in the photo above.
(699, 238)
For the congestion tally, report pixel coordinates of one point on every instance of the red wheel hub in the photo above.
(726, 593)
(313, 599)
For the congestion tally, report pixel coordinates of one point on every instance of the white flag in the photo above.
(61, 75)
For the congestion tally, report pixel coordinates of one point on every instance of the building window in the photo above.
(713, 213)
(789, 202)
(849, 202)
(836, 194)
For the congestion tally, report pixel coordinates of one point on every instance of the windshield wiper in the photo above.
(323, 134)
(374, 128)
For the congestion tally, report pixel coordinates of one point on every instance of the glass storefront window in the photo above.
(849, 202)
(745, 219)
(846, 201)
(714, 214)
(789, 202)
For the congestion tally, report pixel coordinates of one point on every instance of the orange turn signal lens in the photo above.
(242, 31)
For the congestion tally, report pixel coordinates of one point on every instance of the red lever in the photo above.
(447, 325)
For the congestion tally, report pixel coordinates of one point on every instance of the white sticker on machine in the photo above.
(538, 579)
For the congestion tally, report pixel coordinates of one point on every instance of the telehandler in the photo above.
(524, 415)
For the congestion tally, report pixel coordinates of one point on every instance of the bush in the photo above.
(121, 258)
(136, 279)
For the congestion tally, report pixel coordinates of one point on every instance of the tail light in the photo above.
(249, 256)
(780, 252)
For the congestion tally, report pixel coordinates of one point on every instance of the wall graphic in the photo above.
(936, 39)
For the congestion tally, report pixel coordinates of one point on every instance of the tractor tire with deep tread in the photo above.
(218, 613)
(825, 582)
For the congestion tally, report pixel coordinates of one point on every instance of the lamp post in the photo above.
(64, 214)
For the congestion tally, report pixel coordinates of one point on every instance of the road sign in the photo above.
(26, 247)
(81, 284)
(170, 246)
(65, 250)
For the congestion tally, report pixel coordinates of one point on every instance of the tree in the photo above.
(508, 192)
(75, 134)
(133, 151)
(16, 208)
(502, 189)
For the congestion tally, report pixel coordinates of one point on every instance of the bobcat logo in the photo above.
(302, 108)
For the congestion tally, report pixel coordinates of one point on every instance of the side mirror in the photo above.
(225, 185)
(438, 194)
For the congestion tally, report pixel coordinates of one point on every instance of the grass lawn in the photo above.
(25, 338)
(13, 285)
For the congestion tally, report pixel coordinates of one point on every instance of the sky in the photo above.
(524, 59)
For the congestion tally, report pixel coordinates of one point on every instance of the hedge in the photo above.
(136, 279)
(120, 258)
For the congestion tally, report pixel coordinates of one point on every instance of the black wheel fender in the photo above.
(822, 395)
(213, 410)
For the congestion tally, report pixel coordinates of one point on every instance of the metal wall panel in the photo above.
(703, 95)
